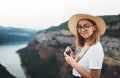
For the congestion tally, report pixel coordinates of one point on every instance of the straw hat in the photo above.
(72, 23)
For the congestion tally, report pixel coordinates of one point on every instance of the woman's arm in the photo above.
(94, 73)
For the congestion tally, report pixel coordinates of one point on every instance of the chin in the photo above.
(85, 36)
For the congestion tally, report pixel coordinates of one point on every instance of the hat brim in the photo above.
(72, 23)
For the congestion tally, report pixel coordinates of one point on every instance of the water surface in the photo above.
(10, 59)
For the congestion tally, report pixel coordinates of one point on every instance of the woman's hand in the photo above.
(69, 59)
(69, 51)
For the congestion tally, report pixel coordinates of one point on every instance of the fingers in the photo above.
(68, 49)
(71, 54)
(65, 55)
(77, 58)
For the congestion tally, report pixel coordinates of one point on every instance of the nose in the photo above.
(82, 29)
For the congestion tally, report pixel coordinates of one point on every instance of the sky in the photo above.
(42, 14)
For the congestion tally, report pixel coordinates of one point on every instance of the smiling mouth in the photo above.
(84, 33)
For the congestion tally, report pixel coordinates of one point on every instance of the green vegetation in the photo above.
(110, 20)
(36, 67)
(4, 73)
(113, 33)
(49, 68)
(62, 26)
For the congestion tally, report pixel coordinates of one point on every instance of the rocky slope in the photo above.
(43, 57)
(45, 52)
(4, 73)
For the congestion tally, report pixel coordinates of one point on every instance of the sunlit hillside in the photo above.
(45, 51)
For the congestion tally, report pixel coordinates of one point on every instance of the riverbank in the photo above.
(4, 73)
(58, 41)
(10, 59)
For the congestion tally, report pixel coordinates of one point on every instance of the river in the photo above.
(10, 59)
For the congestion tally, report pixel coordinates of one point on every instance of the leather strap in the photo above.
(82, 52)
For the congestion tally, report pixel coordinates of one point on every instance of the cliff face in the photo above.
(43, 57)
(112, 57)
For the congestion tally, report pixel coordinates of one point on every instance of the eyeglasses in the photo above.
(85, 27)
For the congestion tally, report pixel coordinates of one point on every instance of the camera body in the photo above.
(67, 51)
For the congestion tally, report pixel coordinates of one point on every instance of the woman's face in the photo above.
(85, 28)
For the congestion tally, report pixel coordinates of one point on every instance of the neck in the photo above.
(87, 41)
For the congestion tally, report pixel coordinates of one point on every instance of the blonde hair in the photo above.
(80, 41)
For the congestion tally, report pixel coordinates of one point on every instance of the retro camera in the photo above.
(67, 51)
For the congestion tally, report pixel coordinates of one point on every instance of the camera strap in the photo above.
(82, 52)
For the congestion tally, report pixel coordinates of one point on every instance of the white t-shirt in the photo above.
(92, 59)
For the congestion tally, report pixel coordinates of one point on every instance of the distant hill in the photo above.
(11, 34)
(62, 26)
(109, 20)
(112, 22)
(45, 51)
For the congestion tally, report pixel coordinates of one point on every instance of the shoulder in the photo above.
(96, 49)
(96, 56)
(97, 46)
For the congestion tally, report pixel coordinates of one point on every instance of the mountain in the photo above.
(4, 73)
(11, 34)
(109, 20)
(112, 22)
(44, 52)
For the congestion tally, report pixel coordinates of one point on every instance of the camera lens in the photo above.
(67, 51)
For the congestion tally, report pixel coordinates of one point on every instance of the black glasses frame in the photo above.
(85, 27)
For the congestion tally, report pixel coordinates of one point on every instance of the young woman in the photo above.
(87, 30)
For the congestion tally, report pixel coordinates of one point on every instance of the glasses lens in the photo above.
(86, 27)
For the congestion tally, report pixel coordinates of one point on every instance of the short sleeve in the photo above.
(96, 58)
